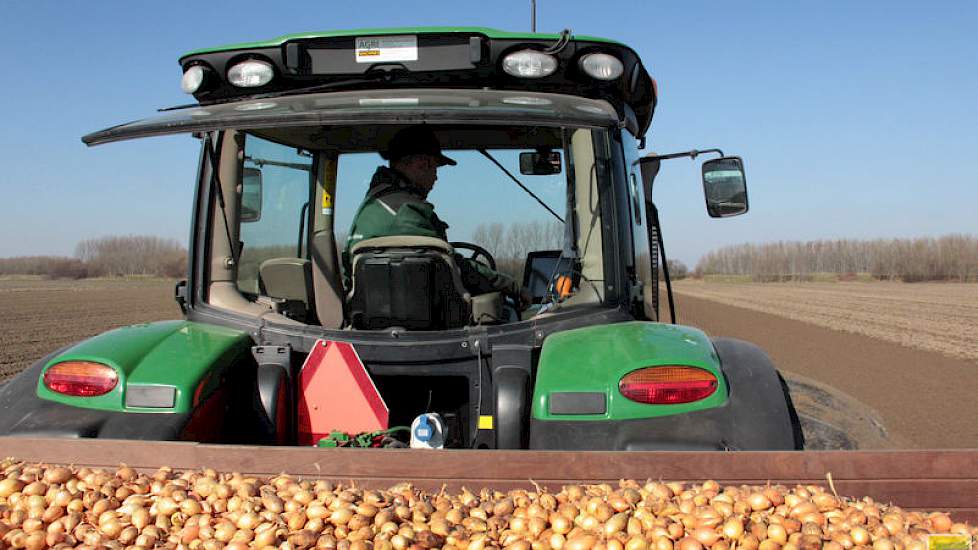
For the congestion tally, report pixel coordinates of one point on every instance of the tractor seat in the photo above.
(288, 281)
(414, 283)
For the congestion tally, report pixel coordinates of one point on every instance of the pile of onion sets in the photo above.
(47, 506)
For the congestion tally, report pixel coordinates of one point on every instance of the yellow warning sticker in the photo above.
(949, 542)
(485, 422)
(327, 199)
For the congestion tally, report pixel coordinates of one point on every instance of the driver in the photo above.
(395, 205)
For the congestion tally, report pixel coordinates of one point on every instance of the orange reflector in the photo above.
(563, 286)
(81, 378)
(668, 385)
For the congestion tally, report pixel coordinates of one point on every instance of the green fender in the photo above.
(594, 359)
(187, 357)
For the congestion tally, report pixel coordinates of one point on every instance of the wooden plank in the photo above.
(926, 493)
(965, 515)
(912, 479)
(451, 464)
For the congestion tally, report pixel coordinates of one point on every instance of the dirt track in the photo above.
(941, 317)
(38, 316)
(923, 397)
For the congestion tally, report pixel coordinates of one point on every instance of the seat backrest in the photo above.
(409, 282)
(288, 279)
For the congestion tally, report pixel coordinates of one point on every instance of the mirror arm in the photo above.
(691, 154)
(261, 163)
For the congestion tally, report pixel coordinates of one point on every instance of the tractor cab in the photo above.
(287, 164)
(545, 130)
(512, 294)
(303, 258)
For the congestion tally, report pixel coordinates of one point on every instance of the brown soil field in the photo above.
(39, 316)
(941, 317)
(925, 399)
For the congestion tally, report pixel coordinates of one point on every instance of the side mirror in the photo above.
(649, 166)
(180, 295)
(725, 187)
(251, 195)
(545, 163)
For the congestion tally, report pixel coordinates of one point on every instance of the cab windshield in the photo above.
(523, 202)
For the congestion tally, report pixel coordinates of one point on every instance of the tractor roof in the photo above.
(369, 108)
(422, 57)
(484, 31)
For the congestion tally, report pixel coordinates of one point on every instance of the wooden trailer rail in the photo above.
(945, 480)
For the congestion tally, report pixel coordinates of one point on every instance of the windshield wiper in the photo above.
(523, 187)
(368, 78)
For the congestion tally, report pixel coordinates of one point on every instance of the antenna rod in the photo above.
(533, 15)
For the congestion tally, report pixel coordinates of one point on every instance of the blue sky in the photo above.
(855, 119)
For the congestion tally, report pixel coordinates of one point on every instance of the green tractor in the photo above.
(287, 340)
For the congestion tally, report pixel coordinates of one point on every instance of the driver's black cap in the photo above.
(415, 140)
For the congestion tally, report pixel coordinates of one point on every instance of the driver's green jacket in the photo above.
(393, 207)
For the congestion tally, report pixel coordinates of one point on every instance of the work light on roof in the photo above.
(251, 73)
(529, 64)
(193, 77)
(602, 66)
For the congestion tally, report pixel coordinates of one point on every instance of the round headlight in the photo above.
(251, 73)
(529, 64)
(602, 66)
(192, 79)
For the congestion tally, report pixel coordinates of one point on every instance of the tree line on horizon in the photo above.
(112, 256)
(952, 258)
(510, 244)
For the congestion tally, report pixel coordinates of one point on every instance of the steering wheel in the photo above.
(477, 252)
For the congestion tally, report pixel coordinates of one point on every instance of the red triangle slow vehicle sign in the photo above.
(337, 393)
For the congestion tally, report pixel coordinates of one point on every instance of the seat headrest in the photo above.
(287, 278)
(403, 241)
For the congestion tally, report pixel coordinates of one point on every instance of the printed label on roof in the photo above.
(381, 49)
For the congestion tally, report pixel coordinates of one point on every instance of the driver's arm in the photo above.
(479, 278)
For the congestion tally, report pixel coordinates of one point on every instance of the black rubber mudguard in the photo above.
(760, 413)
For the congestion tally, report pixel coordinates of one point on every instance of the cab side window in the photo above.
(274, 194)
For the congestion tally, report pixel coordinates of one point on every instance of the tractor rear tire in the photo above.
(761, 414)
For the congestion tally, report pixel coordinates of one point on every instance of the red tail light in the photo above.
(81, 378)
(668, 385)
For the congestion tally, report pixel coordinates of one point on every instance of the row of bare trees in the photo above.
(29, 265)
(114, 256)
(947, 258)
(129, 255)
(509, 244)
